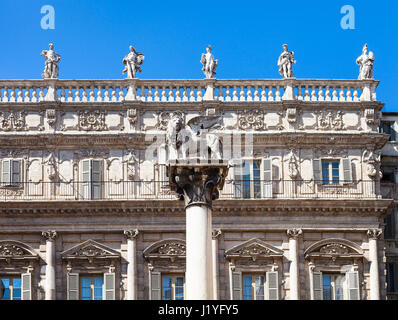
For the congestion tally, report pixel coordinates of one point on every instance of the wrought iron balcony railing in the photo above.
(159, 190)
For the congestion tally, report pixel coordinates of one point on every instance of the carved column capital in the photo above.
(294, 233)
(374, 233)
(198, 185)
(49, 235)
(215, 233)
(131, 234)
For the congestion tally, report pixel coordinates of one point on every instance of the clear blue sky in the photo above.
(92, 37)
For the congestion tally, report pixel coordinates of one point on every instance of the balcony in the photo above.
(159, 190)
(225, 90)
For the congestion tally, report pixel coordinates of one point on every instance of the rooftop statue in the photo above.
(50, 65)
(365, 61)
(133, 61)
(285, 62)
(209, 63)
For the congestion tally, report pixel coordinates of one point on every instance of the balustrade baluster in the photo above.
(41, 94)
(299, 93)
(349, 98)
(227, 94)
(306, 94)
(184, 94)
(157, 94)
(256, 94)
(12, 96)
(77, 94)
(70, 94)
(263, 94)
(164, 95)
(313, 94)
(121, 94)
(178, 95)
(327, 98)
(356, 99)
(270, 94)
(220, 94)
(62, 95)
(99, 94)
(277, 94)
(242, 94)
(235, 94)
(199, 94)
(191, 94)
(27, 95)
(249, 94)
(341, 93)
(34, 94)
(142, 94)
(334, 94)
(320, 94)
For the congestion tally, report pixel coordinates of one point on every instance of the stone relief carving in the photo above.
(51, 166)
(372, 160)
(374, 233)
(132, 116)
(173, 250)
(330, 120)
(50, 64)
(253, 249)
(131, 234)
(365, 61)
(163, 119)
(10, 250)
(285, 62)
(92, 120)
(90, 250)
(49, 235)
(13, 121)
(251, 119)
(51, 116)
(372, 117)
(330, 152)
(132, 163)
(293, 164)
(291, 115)
(209, 63)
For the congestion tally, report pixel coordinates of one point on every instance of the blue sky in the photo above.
(92, 37)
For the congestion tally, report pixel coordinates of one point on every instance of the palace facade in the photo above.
(304, 212)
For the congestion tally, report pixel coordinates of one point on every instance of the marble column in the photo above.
(293, 235)
(215, 235)
(198, 185)
(132, 263)
(373, 235)
(50, 236)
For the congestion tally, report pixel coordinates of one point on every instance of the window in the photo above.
(11, 172)
(91, 287)
(11, 287)
(392, 277)
(172, 287)
(388, 128)
(333, 286)
(92, 179)
(253, 287)
(247, 179)
(330, 171)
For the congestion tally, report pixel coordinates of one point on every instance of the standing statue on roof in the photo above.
(365, 61)
(132, 61)
(50, 65)
(285, 62)
(209, 63)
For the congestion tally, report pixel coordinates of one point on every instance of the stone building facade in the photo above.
(86, 214)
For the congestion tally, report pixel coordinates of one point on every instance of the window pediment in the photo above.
(253, 249)
(10, 249)
(166, 249)
(334, 249)
(90, 250)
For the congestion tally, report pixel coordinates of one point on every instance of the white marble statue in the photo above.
(180, 137)
(50, 65)
(365, 61)
(132, 63)
(209, 63)
(285, 62)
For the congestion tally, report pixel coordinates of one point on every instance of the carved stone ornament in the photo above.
(131, 234)
(294, 233)
(172, 249)
(285, 62)
(49, 235)
(251, 119)
(132, 166)
(333, 249)
(51, 63)
(372, 160)
(216, 233)
(372, 117)
(51, 116)
(10, 249)
(365, 61)
(330, 120)
(209, 63)
(90, 250)
(132, 116)
(198, 185)
(164, 118)
(291, 115)
(374, 233)
(92, 120)
(253, 249)
(293, 165)
(13, 121)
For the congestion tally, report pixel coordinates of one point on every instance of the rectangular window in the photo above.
(92, 179)
(91, 287)
(333, 286)
(253, 287)
(172, 287)
(11, 172)
(330, 171)
(249, 178)
(11, 288)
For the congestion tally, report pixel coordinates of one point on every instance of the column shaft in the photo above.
(50, 270)
(293, 270)
(374, 270)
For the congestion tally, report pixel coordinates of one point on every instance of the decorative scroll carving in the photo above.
(251, 119)
(374, 233)
(294, 233)
(253, 249)
(13, 121)
(92, 120)
(131, 234)
(49, 235)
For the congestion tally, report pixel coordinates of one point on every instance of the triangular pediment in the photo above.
(90, 249)
(167, 248)
(334, 248)
(16, 249)
(253, 249)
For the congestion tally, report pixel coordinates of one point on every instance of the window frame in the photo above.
(11, 286)
(92, 278)
(173, 277)
(333, 277)
(254, 181)
(253, 275)
(12, 184)
(330, 169)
